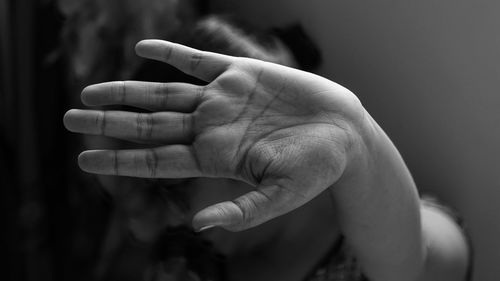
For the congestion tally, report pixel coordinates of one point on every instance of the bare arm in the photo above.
(393, 236)
(291, 134)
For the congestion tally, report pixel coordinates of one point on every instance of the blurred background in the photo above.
(427, 71)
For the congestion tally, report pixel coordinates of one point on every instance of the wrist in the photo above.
(362, 148)
(377, 205)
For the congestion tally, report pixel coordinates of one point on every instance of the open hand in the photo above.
(289, 133)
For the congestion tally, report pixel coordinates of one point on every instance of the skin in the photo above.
(289, 136)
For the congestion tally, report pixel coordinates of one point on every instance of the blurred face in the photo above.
(152, 205)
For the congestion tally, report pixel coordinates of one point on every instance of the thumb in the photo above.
(248, 210)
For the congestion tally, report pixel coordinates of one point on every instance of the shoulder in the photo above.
(449, 251)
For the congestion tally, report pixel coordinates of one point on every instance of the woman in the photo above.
(290, 177)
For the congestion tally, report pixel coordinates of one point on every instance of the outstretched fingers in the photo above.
(200, 64)
(180, 97)
(173, 161)
(248, 210)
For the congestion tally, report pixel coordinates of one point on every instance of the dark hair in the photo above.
(158, 200)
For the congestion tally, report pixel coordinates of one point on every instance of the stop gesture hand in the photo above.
(289, 133)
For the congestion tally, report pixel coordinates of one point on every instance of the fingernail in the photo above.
(205, 228)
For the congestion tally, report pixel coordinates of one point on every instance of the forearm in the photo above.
(379, 210)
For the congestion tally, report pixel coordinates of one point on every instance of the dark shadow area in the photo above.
(59, 223)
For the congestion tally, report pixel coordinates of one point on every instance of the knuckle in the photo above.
(149, 99)
(123, 92)
(144, 126)
(200, 94)
(115, 165)
(196, 59)
(248, 207)
(161, 93)
(151, 159)
(187, 125)
(221, 211)
(168, 51)
(160, 89)
(118, 91)
(100, 122)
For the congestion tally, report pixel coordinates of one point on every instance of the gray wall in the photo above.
(428, 71)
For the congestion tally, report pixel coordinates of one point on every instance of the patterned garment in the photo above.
(339, 265)
(191, 259)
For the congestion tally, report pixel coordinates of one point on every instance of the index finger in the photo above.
(200, 64)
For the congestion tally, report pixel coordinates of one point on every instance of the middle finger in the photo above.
(158, 127)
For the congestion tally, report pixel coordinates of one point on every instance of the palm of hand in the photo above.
(284, 131)
(262, 125)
